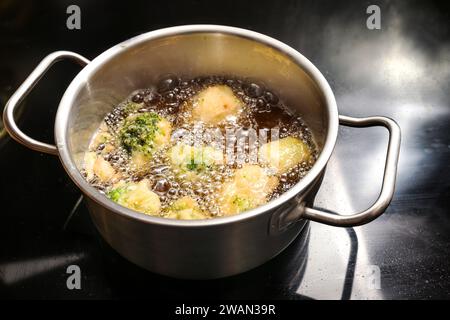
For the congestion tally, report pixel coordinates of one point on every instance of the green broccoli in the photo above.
(144, 132)
(194, 160)
(136, 196)
(131, 107)
(198, 167)
(116, 193)
(242, 203)
(185, 208)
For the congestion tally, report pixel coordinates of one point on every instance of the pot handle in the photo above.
(24, 89)
(388, 186)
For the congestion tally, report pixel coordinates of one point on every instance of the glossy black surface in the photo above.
(401, 71)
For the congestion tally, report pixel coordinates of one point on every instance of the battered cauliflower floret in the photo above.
(139, 162)
(185, 208)
(96, 166)
(214, 104)
(136, 196)
(284, 154)
(249, 189)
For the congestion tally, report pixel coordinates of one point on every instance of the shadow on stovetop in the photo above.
(350, 270)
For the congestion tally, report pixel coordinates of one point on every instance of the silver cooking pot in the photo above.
(218, 247)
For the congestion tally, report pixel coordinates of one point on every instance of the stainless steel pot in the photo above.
(205, 248)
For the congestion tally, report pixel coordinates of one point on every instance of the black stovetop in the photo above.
(401, 71)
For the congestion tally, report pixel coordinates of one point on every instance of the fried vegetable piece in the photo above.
(88, 165)
(139, 162)
(249, 189)
(96, 166)
(131, 107)
(141, 135)
(192, 161)
(185, 208)
(136, 196)
(103, 141)
(214, 104)
(284, 154)
(145, 133)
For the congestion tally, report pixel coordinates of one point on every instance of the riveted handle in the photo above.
(22, 92)
(387, 189)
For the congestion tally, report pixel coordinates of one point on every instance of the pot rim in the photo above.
(66, 103)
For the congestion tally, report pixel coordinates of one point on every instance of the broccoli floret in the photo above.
(131, 107)
(242, 203)
(116, 193)
(136, 196)
(195, 160)
(138, 132)
(192, 166)
(185, 208)
(198, 167)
